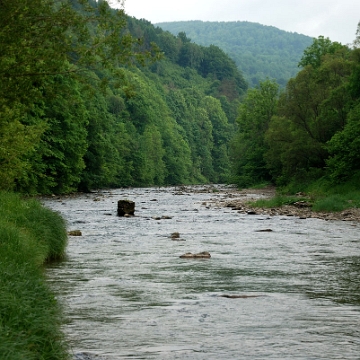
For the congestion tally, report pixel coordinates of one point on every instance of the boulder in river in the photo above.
(125, 207)
(201, 255)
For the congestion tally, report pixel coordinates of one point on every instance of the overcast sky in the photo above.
(335, 19)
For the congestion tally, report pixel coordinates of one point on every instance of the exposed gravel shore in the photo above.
(238, 201)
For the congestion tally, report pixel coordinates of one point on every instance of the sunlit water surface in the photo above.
(127, 294)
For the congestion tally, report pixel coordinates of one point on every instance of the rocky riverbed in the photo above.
(277, 285)
(238, 200)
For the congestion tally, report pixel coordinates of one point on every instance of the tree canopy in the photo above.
(312, 131)
(92, 98)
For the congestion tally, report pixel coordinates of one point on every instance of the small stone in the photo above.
(201, 255)
(239, 296)
(75, 233)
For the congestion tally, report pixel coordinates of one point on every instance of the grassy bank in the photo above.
(322, 194)
(30, 317)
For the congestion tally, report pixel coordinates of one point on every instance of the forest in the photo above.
(307, 136)
(259, 51)
(92, 98)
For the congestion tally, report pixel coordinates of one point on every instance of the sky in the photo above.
(334, 19)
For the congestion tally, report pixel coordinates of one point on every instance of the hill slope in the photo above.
(109, 109)
(259, 51)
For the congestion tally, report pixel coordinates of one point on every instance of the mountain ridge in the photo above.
(259, 51)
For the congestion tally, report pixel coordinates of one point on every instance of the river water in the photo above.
(127, 294)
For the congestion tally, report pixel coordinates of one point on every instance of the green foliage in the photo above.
(248, 146)
(311, 111)
(277, 201)
(344, 149)
(310, 141)
(17, 141)
(259, 51)
(45, 229)
(30, 317)
(320, 47)
(337, 202)
(40, 41)
(58, 160)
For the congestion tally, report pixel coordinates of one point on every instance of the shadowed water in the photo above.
(128, 295)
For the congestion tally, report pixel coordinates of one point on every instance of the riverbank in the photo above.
(246, 201)
(30, 316)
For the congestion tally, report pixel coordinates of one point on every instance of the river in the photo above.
(127, 295)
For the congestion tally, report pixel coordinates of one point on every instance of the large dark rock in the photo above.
(125, 208)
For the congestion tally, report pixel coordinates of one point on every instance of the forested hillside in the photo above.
(91, 98)
(308, 135)
(259, 51)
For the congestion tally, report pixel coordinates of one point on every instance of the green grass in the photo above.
(30, 317)
(337, 202)
(276, 201)
(322, 194)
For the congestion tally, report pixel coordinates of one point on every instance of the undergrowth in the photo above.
(322, 194)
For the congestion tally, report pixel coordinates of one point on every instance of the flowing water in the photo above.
(128, 295)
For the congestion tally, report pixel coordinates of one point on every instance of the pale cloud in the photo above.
(332, 18)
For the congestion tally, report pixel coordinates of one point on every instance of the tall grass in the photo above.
(30, 317)
(338, 202)
(276, 201)
(323, 194)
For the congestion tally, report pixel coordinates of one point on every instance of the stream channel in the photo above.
(126, 293)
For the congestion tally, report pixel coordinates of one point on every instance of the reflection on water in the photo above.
(127, 294)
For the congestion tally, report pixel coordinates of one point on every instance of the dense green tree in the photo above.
(248, 146)
(320, 47)
(344, 148)
(78, 111)
(19, 134)
(313, 108)
(151, 143)
(221, 136)
(40, 40)
(57, 163)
